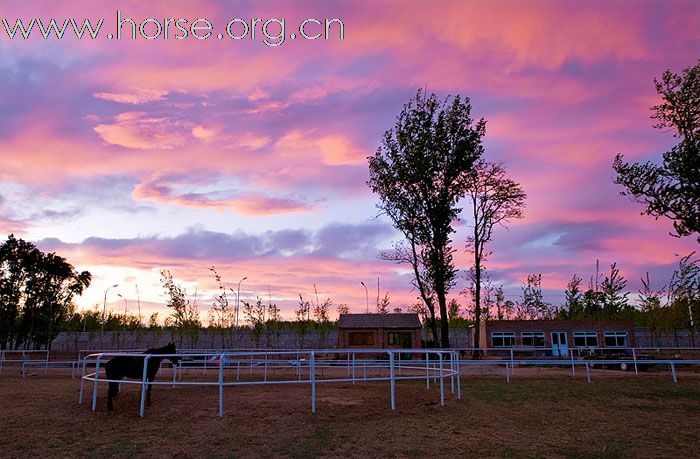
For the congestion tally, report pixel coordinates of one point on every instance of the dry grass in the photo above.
(540, 414)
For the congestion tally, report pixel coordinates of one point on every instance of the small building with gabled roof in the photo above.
(379, 331)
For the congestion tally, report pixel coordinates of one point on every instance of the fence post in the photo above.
(588, 373)
(97, 377)
(573, 367)
(634, 357)
(427, 370)
(82, 380)
(222, 356)
(174, 368)
(144, 385)
(393, 382)
(512, 363)
(507, 373)
(452, 373)
(353, 367)
(673, 372)
(442, 382)
(312, 376)
(459, 384)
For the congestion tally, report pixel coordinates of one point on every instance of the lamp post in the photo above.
(126, 305)
(138, 302)
(104, 305)
(238, 299)
(366, 295)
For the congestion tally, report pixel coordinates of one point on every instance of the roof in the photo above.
(394, 320)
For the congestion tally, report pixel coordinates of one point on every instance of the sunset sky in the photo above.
(127, 157)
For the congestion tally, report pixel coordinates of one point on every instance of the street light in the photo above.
(104, 305)
(366, 295)
(126, 305)
(238, 299)
(138, 302)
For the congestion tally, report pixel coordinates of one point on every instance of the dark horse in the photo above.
(132, 367)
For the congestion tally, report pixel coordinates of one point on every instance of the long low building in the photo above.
(557, 335)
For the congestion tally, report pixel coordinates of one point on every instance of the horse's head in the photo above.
(165, 350)
(170, 349)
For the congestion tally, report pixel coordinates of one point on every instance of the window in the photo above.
(533, 339)
(402, 339)
(503, 339)
(615, 339)
(585, 339)
(361, 338)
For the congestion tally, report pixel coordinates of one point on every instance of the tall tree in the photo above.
(573, 306)
(418, 173)
(672, 189)
(649, 303)
(184, 316)
(495, 200)
(303, 314)
(615, 302)
(500, 301)
(255, 314)
(532, 305)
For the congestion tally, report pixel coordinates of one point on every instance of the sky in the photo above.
(131, 156)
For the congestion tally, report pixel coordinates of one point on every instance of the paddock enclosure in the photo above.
(543, 411)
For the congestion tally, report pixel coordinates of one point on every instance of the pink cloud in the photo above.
(135, 97)
(331, 148)
(138, 130)
(157, 189)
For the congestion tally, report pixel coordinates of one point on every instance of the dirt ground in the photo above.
(541, 413)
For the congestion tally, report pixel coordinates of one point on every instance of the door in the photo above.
(559, 345)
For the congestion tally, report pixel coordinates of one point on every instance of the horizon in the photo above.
(131, 156)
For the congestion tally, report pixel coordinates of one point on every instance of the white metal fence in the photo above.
(292, 367)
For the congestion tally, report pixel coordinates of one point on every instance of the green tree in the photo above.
(418, 173)
(184, 315)
(573, 306)
(495, 200)
(615, 302)
(672, 189)
(36, 294)
(343, 308)
(17, 260)
(592, 303)
(652, 311)
(532, 305)
(499, 302)
(323, 323)
(453, 309)
(684, 294)
(255, 314)
(221, 315)
(384, 304)
(302, 313)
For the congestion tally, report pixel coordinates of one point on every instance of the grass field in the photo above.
(540, 415)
